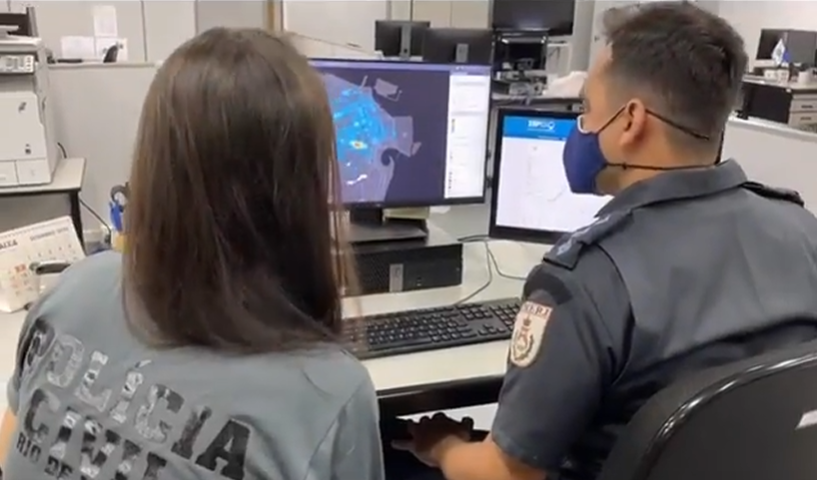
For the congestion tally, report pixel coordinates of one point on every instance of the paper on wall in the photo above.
(75, 47)
(105, 23)
(103, 44)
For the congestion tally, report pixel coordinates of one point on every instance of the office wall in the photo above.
(335, 21)
(154, 28)
(775, 155)
(229, 13)
(151, 28)
(442, 13)
(97, 113)
(319, 20)
(167, 25)
(97, 110)
(56, 20)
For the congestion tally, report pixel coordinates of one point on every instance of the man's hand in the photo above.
(431, 436)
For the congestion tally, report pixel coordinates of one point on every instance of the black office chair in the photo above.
(753, 420)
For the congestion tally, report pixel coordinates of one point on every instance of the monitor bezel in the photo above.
(443, 202)
(500, 232)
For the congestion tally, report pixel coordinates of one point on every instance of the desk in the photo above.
(67, 181)
(480, 366)
(790, 103)
(412, 371)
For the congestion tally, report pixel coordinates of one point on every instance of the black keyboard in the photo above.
(431, 328)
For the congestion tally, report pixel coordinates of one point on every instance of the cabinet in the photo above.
(792, 104)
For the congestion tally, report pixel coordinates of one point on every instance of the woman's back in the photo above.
(92, 400)
(210, 348)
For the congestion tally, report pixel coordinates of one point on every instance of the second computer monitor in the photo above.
(799, 45)
(409, 133)
(399, 38)
(458, 45)
(532, 200)
(20, 20)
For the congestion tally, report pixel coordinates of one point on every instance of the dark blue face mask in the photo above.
(583, 159)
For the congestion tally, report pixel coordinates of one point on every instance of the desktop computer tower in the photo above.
(404, 266)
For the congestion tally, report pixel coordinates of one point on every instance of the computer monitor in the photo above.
(800, 44)
(531, 197)
(458, 45)
(768, 40)
(399, 38)
(554, 16)
(19, 20)
(409, 133)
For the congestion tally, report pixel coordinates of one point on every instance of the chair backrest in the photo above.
(752, 420)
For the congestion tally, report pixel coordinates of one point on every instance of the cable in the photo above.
(490, 262)
(484, 286)
(497, 269)
(473, 238)
(108, 231)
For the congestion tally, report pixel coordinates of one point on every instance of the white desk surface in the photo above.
(460, 363)
(515, 259)
(67, 177)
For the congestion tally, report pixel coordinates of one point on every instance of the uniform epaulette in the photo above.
(569, 250)
(774, 193)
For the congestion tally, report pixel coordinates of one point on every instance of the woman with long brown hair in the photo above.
(209, 349)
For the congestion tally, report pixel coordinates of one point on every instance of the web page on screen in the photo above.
(533, 192)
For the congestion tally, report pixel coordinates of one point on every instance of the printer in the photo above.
(28, 149)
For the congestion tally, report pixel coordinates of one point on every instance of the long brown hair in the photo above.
(231, 238)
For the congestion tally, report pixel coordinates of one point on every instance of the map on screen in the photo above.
(368, 135)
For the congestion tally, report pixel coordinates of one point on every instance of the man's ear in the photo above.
(634, 116)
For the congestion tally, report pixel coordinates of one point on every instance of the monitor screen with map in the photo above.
(409, 133)
(532, 200)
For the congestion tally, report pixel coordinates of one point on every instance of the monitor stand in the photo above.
(405, 42)
(369, 225)
(461, 53)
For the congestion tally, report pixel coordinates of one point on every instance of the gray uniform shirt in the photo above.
(92, 402)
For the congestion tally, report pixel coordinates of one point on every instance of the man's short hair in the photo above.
(689, 62)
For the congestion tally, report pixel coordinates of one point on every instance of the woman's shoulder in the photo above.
(103, 265)
(92, 278)
(103, 262)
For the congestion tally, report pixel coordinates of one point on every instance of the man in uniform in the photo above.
(689, 266)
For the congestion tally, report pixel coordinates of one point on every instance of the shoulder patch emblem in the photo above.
(528, 333)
